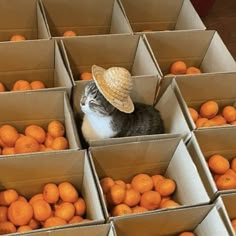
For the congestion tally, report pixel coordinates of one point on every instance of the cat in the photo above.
(102, 120)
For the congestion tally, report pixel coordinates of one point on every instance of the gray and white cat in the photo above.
(102, 120)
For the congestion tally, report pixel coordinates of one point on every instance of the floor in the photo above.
(222, 17)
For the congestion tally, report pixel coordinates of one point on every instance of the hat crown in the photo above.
(119, 80)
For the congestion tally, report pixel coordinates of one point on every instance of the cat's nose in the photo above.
(82, 100)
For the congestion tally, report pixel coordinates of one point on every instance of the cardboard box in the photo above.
(174, 120)
(128, 51)
(28, 174)
(193, 91)
(202, 221)
(95, 230)
(23, 109)
(225, 204)
(161, 15)
(206, 142)
(168, 157)
(22, 17)
(34, 60)
(84, 17)
(200, 48)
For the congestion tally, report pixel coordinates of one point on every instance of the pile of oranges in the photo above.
(223, 171)
(143, 193)
(56, 205)
(22, 85)
(209, 114)
(180, 68)
(34, 139)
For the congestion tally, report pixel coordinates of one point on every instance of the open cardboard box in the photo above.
(84, 17)
(95, 230)
(161, 15)
(34, 60)
(168, 157)
(29, 173)
(200, 48)
(193, 91)
(201, 220)
(23, 109)
(22, 17)
(143, 92)
(225, 204)
(128, 51)
(207, 142)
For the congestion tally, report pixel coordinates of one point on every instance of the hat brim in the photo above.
(126, 105)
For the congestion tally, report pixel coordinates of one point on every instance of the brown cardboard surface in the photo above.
(22, 17)
(206, 142)
(173, 222)
(84, 17)
(34, 60)
(123, 161)
(161, 15)
(122, 50)
(44, 107)
(29, 173)
(145, 93)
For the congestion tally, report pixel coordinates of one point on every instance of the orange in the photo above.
(3, 213)
(24, 228)
(200, 122)
(193, 113)
(106, 184)
(2, 87)
(26, 144)
(139, 209)
(17, 37)
(218, 164)
(34, 224)
(8, 196)
(80, 207)
(150, 200)
(8, 135)
(86, 76)
(116, 195)
(68, 192)
(56, 129)
(142, 183)
(69, 33)
(50, 193)
(8, 151)
(65, 210)
(54, 221)
(22, 198)
(187, 233)
(36, 197)
(165, 187)
(42, 210)
(233, 164)
(75, 219)
(178, 68)
(21, 85)
(233, 221)
(226, 181)
(229, 113)
(193, 70)
(60, 143)
(163, 199)
(231, 172)
(120, 210)
(37, 84)
(121, 183)
(36, 132)
(20, 213)
(7, 227)
(209, 109)
(48, 140)
(128, 186)
(219, 120)
(156, 179)
(132, 197)
(169, 203)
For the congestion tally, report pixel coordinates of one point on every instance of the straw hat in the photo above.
(115, 84)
